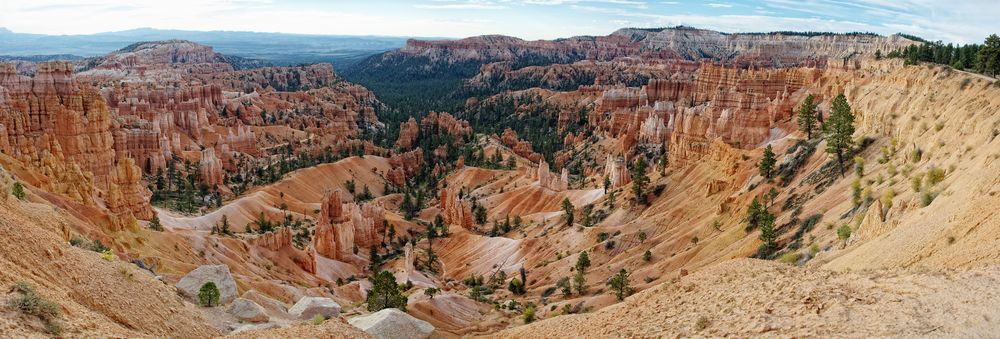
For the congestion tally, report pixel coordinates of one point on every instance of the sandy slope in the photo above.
(97, 298)
(747, 297)
(303, 190)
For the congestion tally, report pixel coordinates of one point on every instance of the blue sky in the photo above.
(952, 21)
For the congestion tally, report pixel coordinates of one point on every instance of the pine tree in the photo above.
(582, 261)
(639, 180)
(767, 232)
(766, 164)
(385, 293)
(807, 116)
(208, 295)
(753, 211)
(988, 58)
(840, 130)
(154, 224)
(619, 284)
(568, 207)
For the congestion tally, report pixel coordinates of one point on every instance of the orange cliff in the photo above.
(63, 131)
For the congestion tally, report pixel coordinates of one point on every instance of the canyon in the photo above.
(547, 169)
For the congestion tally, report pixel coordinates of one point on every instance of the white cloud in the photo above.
(955, 21)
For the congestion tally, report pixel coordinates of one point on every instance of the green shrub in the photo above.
(887, 198)
(208, 295)
(934, 176)
(317, 319)
(915, 182)
(790, 258)
(647, 256)
(516, 286)
(856, 192)
(844, 232)
(916, 155)
(18, 190)
(30, 303)
(927, 198)
(528, 314)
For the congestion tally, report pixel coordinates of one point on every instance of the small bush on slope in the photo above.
(30, 303)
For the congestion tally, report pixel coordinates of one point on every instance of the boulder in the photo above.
(391, 323)
(272, 306)
(309, 307)
(247, 311)
(219, 274)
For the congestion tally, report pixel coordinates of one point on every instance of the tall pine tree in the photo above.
(840, 130)
(767, 162)
(807, 116)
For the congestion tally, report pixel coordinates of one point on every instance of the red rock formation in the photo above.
(331, 209)
(365, 219)
(396, 176)
(275, 240)
(548, 179)
(522, 148)
(63, 130)
(342, 228)
(408, 132)
(616, 172)
(409, 163)
(210, 165)
(455, 211)
(127, 196)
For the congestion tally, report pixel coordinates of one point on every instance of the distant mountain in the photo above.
(275, 48)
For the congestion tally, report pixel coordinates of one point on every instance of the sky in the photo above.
(959, 21)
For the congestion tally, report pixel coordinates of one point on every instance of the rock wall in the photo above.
(275, 240)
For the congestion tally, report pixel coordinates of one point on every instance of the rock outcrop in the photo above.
(455, 211)
(391, 323)
(548, 179)
(210, 165)
(247, 311)
(343, 228)
(63, 130)
(520, 147)
(308, 307)
(275, 240)
(616, 172)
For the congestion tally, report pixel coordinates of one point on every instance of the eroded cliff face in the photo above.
(64, 131)
(741, 107)
(344, 229)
